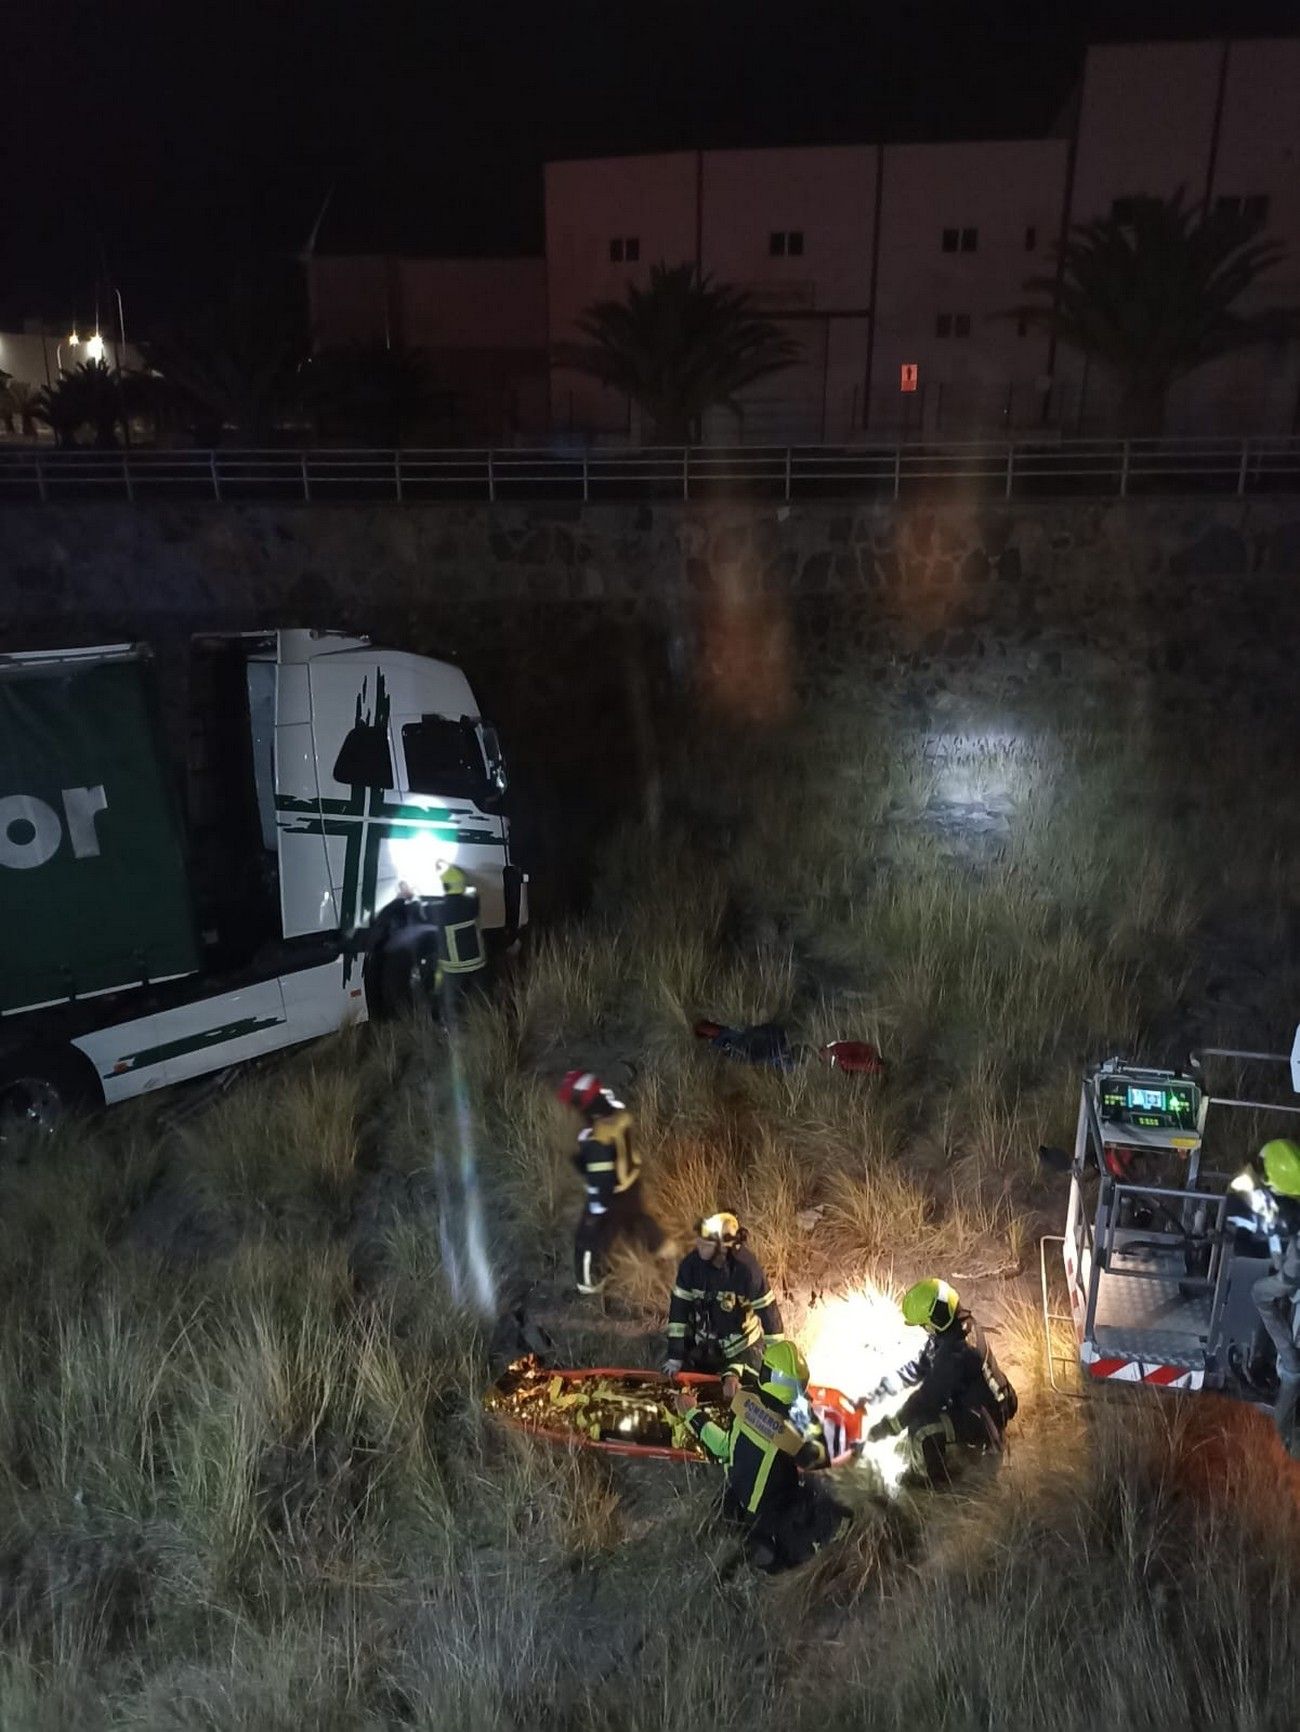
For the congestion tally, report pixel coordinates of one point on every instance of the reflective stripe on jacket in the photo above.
(460, 946)
(761, 1449)
(724, 1302)
(956, 1371)
(606, 1157)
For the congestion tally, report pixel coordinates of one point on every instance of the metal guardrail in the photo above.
(1098, 468)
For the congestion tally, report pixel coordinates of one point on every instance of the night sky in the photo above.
(161, 146)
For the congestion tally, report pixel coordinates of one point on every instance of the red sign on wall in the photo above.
(907, 376)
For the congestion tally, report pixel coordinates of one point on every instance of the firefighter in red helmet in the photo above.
(610, 1168)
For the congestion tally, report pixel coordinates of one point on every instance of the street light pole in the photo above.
(121, 345)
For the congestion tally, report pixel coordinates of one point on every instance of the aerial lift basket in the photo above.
(1157, 1275)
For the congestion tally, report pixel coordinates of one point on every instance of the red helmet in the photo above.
(858, 1056)
(581, 1089)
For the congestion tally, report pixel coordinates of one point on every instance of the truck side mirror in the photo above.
(493, 757)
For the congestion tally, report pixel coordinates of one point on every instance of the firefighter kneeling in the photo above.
(959, 1393)
(785, 1516)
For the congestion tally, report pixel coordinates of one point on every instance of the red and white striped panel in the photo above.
(1145, 1371)
(1123, 1370)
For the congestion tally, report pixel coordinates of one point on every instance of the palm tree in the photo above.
(235, 364)
(678, 348)
(1153, 294)
(89, 395)
(24, 400)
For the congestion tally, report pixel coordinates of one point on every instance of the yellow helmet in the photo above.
(930, 1304)
(454, 881)
(722, 1226)
(784, 1372)
(1281, 1160)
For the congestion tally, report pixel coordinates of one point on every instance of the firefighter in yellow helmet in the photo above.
(722, 1310)
(1276, 1293)
(784, 1516)
(462, 958)
(959, 1392)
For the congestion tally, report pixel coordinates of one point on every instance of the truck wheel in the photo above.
(39, 1086)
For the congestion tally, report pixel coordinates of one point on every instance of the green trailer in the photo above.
(94, 891)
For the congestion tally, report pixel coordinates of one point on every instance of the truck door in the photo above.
(352, 743)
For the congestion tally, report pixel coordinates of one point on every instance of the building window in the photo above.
(624, 249)
(970, 239)
(943, 325)
(785, 243)
(951, 237)
(952, 325)
(1031, 238)
(961, 325)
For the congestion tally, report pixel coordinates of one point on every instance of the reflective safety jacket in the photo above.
(956, 1372)
(606, 1158)
(800, 1414)
(723, 1305)
(762, 1450)
(460, 938)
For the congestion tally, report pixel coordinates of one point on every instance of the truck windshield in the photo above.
(443, 757)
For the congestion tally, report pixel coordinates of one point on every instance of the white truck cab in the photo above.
(375, 768)
(322, 772)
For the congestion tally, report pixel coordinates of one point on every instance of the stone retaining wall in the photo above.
(1190, 601)
(584, 629)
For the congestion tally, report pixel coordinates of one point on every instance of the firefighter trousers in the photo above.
(623, 1217)
(795, 1533)
(969, 1427)
(1274, 1298)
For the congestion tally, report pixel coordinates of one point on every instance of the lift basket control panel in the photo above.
(1151, 1103)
